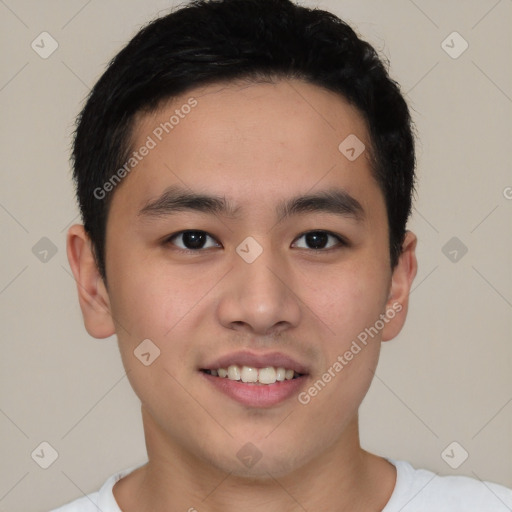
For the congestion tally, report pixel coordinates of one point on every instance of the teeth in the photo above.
(234, 372)
(269, 375)
(280, 374)
(249, 374)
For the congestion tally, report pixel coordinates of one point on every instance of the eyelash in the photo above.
(342, 242)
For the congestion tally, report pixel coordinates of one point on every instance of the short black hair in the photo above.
(217, 41)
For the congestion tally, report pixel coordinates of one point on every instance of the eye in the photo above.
(319, 240)
(192, 240)
(195, 240)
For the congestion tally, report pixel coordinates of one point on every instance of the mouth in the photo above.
(251, 375)
(256, 380)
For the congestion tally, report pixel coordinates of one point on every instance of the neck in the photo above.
(345, 478)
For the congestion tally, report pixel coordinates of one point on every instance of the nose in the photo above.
(259, 297)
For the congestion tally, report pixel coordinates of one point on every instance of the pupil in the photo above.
(317, 239)
(194, 239)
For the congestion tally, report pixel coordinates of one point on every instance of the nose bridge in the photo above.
(257, 279)
(259, 293)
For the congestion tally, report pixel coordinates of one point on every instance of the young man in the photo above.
(244, 170)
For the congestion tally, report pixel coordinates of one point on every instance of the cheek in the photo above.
(161, 303)
(350, 353)
(347, 300)
(149, 300)
(146, 307)
(349, 303)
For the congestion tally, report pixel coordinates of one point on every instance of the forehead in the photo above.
(255, 143)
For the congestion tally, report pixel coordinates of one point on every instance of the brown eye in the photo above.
(192, 240)
(321, 240)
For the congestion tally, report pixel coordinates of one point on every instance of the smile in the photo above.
(252, 375)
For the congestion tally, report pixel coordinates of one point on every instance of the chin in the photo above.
(258, 461)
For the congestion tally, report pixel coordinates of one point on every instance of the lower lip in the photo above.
(257, 395)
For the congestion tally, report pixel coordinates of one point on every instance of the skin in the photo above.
(256, 145)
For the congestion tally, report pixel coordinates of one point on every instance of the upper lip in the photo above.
(257, 360)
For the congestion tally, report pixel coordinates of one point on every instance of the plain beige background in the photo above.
(446, 378)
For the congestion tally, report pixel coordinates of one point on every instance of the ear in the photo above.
(92, 293)
(400, 288)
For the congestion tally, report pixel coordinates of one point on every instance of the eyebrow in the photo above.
(177, 199)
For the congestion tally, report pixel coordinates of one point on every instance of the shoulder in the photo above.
(102, 500)
(87, 503)
(421, 490)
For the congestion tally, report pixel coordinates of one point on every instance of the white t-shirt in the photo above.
(416, 490)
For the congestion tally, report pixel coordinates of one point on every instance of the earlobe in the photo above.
(401, 282)
(92, 293)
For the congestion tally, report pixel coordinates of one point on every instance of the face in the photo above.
(282, 266)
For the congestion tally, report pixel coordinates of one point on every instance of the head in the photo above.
(256, 41)
(229, 118)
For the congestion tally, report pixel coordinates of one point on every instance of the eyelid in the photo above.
(342, 242)
(168, 240)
